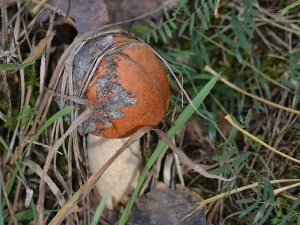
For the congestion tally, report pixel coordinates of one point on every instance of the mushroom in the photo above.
(126, 84)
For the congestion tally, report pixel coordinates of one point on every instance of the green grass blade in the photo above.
(296, 203)
(17, 164)
(267, 215)
(291, 6)
(286, 218)
(259, 213)
(14, 173)
(221, 169)
(51, 120)
(26, 215)
(249, 209)
(100, 209)
(15, 66)
(245, 201)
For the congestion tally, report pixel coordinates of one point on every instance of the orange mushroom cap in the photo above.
(129, 89)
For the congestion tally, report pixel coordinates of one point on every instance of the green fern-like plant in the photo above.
(32, 79)
(177, 22)
(26, 115)
(264, 205)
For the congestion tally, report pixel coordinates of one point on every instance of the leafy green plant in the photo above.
(32, 79)
(264, 204)
(26, 115)
(10, 121)
(292, 217)
(198, 39)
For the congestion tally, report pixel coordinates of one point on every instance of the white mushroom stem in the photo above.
(121, 177)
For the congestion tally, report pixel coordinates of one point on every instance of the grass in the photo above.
(234, 59)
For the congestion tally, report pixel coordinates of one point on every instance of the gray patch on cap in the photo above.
(112, 96)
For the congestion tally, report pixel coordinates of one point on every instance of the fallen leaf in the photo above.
(87, 14)
(121, 10)
(164, 206)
